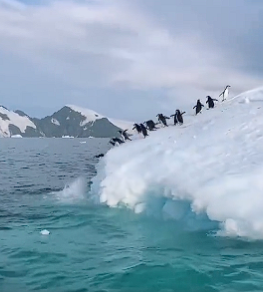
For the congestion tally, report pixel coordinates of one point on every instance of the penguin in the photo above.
(99, 155)
(210, 101)
(112, 143)
(175, 118)
(124, 134)
(179, 116)
(198, 107)
(144, 130)
(162, 119)
(225, 93)
(117, 140)
(151, 125)
(137, 127)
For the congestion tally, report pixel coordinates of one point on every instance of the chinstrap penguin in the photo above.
(210, 101)
(198, 107)
(225, 93)
(162, 119)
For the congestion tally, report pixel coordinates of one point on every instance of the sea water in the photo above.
(53, 238)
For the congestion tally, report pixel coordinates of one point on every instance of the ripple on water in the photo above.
(93, 248)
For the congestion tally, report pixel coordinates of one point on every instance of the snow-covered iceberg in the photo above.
(211, 166)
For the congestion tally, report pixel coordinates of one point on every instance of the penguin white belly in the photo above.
(226, 93)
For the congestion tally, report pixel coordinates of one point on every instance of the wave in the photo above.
(208, 170)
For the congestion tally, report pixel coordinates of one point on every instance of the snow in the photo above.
(16, 136)
(67, 137)
(207, 171)
(13, 119)
(55, 122)
(92, 116)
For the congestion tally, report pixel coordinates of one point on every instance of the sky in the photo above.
(127, 59)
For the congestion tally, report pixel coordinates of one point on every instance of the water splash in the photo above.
(72, 192)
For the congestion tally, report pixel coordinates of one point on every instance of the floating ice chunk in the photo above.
(45, 232)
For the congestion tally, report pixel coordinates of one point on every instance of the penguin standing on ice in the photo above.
(175, 118)
(210, 101)
(144, 130)
(137, 127)
(162, 119)
(225, 93)
(179, 116)
(198, 107)
(151, 125)
(124, 134)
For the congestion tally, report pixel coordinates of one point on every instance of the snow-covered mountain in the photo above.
(70, 120)
(205, 174)
(91, 116)
(12, 123)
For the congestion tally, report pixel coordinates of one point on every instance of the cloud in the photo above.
(105, 52)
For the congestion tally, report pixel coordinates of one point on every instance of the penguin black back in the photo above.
(137, 127)
(175, 118)
(112, 142)
(118, 140)
(151, 125)
(198, 107)
(99, 155)
(124, 134)
(179, 116)
(210, 101)
(144, 130)
(162, 119)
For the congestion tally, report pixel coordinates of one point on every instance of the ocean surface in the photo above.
(44, 185)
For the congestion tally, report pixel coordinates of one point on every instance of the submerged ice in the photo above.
(213, 164)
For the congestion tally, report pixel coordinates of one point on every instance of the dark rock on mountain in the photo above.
(65, 122)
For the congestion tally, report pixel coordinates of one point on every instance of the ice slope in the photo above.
(91, 116)
(210, 167)
(12, 118)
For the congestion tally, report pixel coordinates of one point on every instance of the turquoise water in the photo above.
(95, 248)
